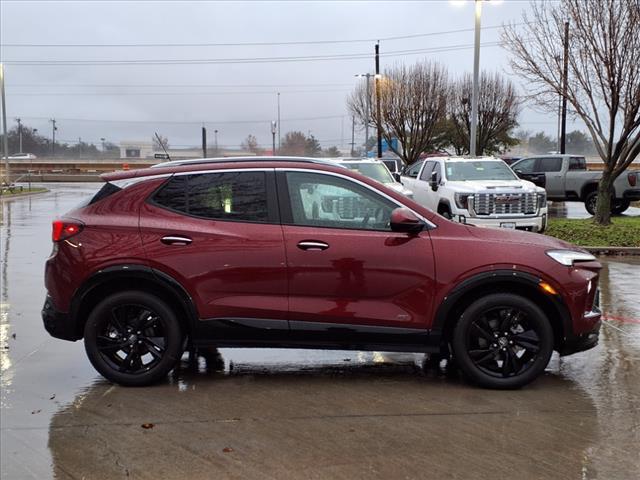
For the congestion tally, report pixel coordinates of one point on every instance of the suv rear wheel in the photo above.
(503, 341)
(133, 338)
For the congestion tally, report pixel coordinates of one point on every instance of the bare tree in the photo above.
(603, 84)
(498, 108)
(251, 144)
(412, 102)
(158, 144)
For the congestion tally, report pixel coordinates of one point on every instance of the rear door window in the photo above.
(549, 164)
(231, 196)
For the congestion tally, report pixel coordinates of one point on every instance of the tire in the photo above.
(492, 359)
(445, 212)
(590, 202)
(133, 338)
(620, 206)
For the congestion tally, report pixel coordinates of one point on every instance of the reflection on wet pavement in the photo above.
(272, 413)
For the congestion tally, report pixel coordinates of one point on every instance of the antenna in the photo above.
(162, 145)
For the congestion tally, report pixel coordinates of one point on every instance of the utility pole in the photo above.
(19, 133)
(204, 142)
(53, 136)
(565, 78)
(79, 147)
(273, 137)
(476, 73)
(215, 140)
(378, 120)
(5, 143)
(353, 136)
(279, 132)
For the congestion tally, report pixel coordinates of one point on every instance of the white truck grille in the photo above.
(505, 203)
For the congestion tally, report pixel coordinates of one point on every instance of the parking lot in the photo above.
(270, 413)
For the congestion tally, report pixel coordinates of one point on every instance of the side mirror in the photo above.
(404, 220)
(433, 183)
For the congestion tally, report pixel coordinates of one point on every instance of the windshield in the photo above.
(480, 170)
(376, 171)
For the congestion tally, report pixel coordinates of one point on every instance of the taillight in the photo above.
(633, 178)
(63, 229)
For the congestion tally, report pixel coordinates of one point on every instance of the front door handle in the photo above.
(175, 240)
(312, 245)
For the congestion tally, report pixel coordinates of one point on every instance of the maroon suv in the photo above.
(300, 253)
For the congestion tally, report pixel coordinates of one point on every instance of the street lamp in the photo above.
(274, 129)
(368, 112)
(476, 71)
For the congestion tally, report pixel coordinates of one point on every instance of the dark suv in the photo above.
(299, 253)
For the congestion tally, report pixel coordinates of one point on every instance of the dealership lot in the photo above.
(287, 414)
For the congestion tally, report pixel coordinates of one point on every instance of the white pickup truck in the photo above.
(477, 191)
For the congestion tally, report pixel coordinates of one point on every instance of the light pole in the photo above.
(476, 71)
(215, 141)
(273, 137)
(19, 133)
(279, 132)
(5, 143)
(53, 136)
(368, 112)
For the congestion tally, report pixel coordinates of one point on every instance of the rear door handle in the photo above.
(176, 240)
(312, 245)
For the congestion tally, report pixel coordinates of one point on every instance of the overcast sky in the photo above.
(131, 101)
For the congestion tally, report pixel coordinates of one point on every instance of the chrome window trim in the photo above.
(430, 225)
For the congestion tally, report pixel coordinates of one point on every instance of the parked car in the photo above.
(477, 191)
(228, 253)
(395, 166)
(22, 156)
(566, 178)
(376, 170)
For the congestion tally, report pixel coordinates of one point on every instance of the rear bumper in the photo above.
(58, 324)
(631, 194)
(585, 340)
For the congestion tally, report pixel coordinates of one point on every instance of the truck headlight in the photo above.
(462, 200)
(567, 257)
(542, 200)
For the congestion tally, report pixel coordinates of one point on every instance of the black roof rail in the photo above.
(202, 161)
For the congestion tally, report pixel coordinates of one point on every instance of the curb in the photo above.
(613, 250)
(22, 195)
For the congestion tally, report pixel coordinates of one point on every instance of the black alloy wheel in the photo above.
(503, 341)
(133, 338)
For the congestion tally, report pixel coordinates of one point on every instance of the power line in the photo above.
(173, 122)
(225, 61)
(134, 94)
(245, 44)
(229, 85)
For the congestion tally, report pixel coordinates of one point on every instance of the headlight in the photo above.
(567, 257)
(542, 200)
(462, 200)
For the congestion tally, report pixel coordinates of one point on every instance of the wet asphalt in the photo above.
(271, 413)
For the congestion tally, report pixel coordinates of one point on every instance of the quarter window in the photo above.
(319, 200)
(238, 196)
(577, 163)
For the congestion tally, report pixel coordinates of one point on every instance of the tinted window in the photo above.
(391, 165)
(426, 171)
(376, 171)
(480, 170)
(240, 196)
(525, 166)
(319, 200)
(577, 163)
(550, 164)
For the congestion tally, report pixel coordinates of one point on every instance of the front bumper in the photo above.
(585, 340)
(58, 324)
(534, 224)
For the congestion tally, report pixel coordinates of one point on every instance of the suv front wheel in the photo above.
(133, 338)
(503, 341)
